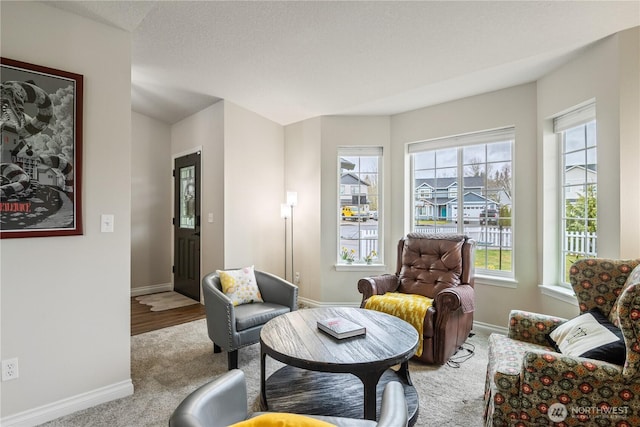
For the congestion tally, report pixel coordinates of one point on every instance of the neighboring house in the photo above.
(346, 164)
(473, 204)
(353, 190)
(438, 198)
(576, 175)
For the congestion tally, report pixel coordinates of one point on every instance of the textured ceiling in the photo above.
(290, 61)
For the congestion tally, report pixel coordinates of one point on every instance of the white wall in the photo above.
(205, 131)
(66, 300)
(242, 185)
(629, 89)
(516, 107)
(253, 190)
(608, 73)
(341, 286)
(302, 174)
(151, 207)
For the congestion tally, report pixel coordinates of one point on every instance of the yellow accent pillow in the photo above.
(240, 285)
(281, 419)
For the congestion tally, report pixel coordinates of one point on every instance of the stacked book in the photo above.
(340, 328)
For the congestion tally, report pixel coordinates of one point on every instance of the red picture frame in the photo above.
(40, 151)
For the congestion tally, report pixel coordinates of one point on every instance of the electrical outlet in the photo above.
(296, 278)
(10, 369)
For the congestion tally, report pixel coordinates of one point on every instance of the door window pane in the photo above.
(187, 197)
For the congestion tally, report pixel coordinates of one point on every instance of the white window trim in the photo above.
(577, 116)
(551, 257)
(346, 151)
(497, 278)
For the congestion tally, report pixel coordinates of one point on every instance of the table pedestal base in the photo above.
(300, 391)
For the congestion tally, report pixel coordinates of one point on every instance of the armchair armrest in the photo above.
(532, 327)
(393, 409)
(277, 290)
(628, 320)
(220, 402)
(377, 285)
(221, 318)
(540, 363)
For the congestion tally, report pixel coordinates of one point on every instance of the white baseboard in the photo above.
(315, 304)
(487, 328)
(152, 289)
(43, 414)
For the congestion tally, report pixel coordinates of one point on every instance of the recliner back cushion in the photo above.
(430, 265)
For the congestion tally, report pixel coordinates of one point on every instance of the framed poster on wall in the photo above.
(40, 151)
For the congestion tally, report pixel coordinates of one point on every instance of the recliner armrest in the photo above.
(377, 285)
(218, 403)
(451, 299)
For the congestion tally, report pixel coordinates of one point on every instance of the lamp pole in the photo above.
(284, 213)
(292, 200)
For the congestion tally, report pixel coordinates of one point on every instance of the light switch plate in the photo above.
(106, 223)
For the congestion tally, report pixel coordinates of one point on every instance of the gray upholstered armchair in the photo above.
(223, 401)
(232, 327)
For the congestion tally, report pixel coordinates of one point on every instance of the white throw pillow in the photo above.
(590, 335)
(240, 285)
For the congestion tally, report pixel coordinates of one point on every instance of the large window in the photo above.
(359, 205)
(579, 209)
(464, 184)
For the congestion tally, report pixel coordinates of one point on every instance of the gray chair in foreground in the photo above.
(232, 327)
(223, 401)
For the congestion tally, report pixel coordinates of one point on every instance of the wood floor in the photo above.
(144, 320)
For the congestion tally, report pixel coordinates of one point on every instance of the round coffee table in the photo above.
(319, 378)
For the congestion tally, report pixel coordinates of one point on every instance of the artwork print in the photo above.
(40, 151)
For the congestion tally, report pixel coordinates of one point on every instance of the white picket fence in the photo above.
(487, 237)
(579, 243)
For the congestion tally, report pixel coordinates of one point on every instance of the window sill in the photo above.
(560, 293)
(503, 282)
(361, 267)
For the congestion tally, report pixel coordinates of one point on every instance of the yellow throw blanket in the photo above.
(408, 307)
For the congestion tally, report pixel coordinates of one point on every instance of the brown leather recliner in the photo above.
(441, 267)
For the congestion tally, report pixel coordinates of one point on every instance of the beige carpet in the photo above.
(169, 363)
(165, 300)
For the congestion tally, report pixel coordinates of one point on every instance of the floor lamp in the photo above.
(292, 200)
(285, 211)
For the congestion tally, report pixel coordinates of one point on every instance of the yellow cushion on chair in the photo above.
(409, 307)
(281, 419)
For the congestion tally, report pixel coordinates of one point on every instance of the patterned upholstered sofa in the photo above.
(529, 383)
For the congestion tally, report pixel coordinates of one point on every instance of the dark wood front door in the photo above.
(186, 226)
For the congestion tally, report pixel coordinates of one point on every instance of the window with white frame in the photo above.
(472, 180)
(576, 132)
(359, 205)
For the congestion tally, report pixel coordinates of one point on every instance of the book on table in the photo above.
(339, 327)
